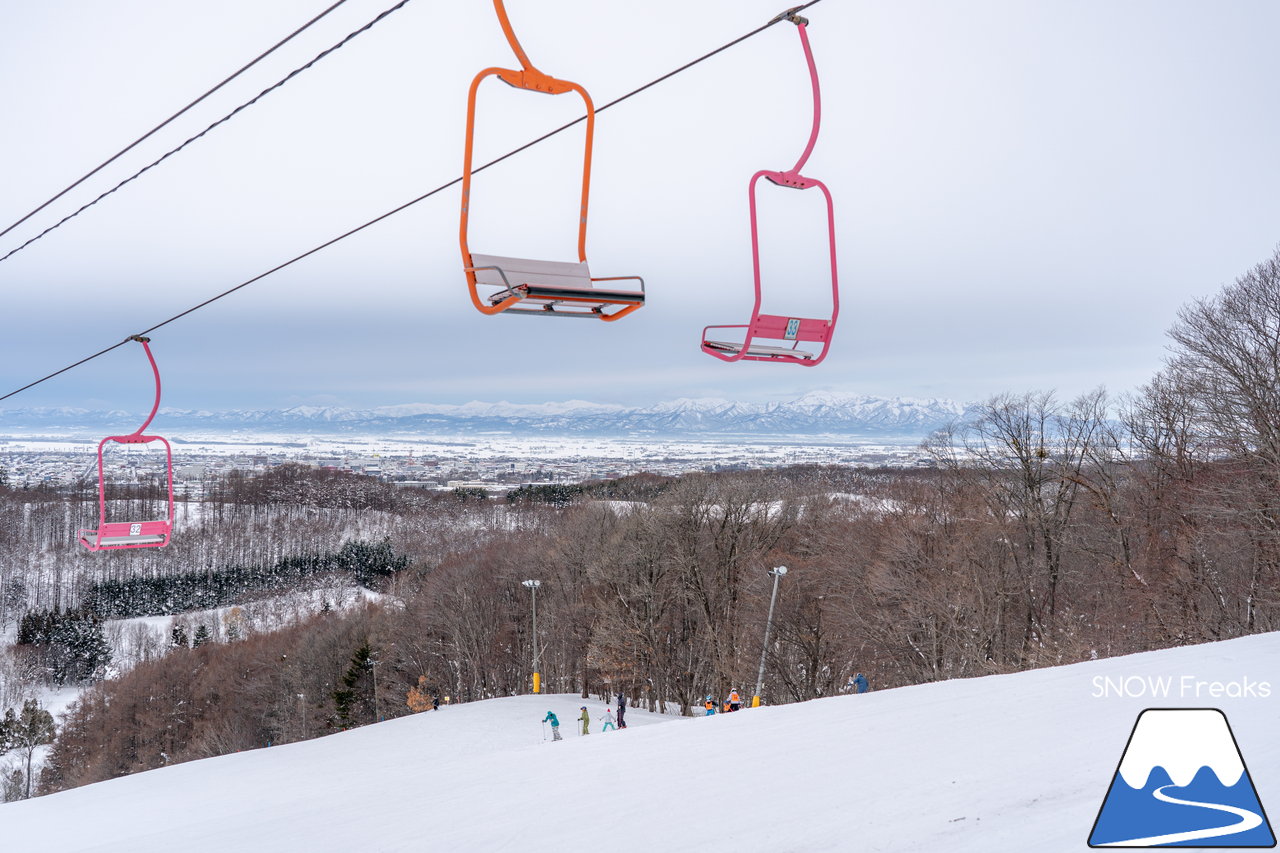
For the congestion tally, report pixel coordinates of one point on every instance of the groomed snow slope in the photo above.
(1007, 763)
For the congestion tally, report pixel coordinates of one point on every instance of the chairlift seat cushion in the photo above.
(131, 540)
(547, 281)
(759, 350)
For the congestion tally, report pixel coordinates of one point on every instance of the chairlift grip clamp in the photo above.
(139, 338)
(790, 15)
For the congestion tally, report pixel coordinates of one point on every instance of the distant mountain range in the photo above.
(812, 413)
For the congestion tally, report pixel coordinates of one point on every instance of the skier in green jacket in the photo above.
(586, 721)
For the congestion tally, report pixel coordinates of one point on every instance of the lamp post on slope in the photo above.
(537, 677)
(777, 575)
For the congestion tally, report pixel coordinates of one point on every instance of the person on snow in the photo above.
(555, 725)
(586, 721)
(735, 701)
(608, 721)
(860, 683)
(622, 710)
(710, 705)
(435, 702)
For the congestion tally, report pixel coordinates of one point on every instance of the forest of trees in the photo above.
(1048, 531)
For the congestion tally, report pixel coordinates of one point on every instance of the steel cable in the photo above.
(409, 204)
(292, 74)
(173, 117)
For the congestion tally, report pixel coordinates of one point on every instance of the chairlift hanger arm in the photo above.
(792, 176)
(528, 77)
(155, 371)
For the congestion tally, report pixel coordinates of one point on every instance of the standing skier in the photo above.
(710, 705)
(735, 701)
(585, 718)
(860, 683)
(555, 725)
(608, 721)
(622, 710)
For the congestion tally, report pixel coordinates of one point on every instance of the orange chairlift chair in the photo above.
(152, 533)
(785, 333)
(539, 287)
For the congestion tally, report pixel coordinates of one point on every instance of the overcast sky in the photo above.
(1025, 194)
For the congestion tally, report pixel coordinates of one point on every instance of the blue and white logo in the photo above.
(1182, 782)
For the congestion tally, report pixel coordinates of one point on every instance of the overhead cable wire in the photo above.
(281, 82)
(173, 117)
(412, 202)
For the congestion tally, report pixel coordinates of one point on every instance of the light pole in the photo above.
(537, 678)
(777, 574)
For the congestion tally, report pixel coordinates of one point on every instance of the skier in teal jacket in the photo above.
(555, 725)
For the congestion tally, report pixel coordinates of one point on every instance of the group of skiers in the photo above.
(732, 703)
(585, 719)
(856, 684)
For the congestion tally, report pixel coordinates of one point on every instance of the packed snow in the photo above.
(1004, 763)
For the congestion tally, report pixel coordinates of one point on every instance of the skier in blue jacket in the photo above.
(860, 684)
(555, 725)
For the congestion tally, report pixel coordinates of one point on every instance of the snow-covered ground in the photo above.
(1006, 763)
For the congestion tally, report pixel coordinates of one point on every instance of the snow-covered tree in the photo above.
(28, 731)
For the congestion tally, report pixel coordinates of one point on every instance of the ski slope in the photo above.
(1006, 763)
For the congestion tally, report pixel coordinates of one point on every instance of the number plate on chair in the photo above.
(135, 529)
(793, 329)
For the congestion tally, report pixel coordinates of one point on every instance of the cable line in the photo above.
(412, 202)
(294, 73)
(171, 118)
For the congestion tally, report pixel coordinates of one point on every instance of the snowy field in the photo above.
(60, 459)
(1006, 763)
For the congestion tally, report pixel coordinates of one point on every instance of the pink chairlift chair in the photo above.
(115, 535)
(785, 333)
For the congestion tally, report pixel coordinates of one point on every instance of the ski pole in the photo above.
(544, 731)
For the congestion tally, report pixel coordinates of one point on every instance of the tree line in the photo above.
(365, 563)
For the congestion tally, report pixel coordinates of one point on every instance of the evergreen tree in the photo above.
(8, 731)
(34, 729)
(13, 787)
(349, 699)
(202, 636)
(178, 638)
(369, 562)
(466, 494)
(73, 644)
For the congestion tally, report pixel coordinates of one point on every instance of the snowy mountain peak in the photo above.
(1181, 741)
(813, 413)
